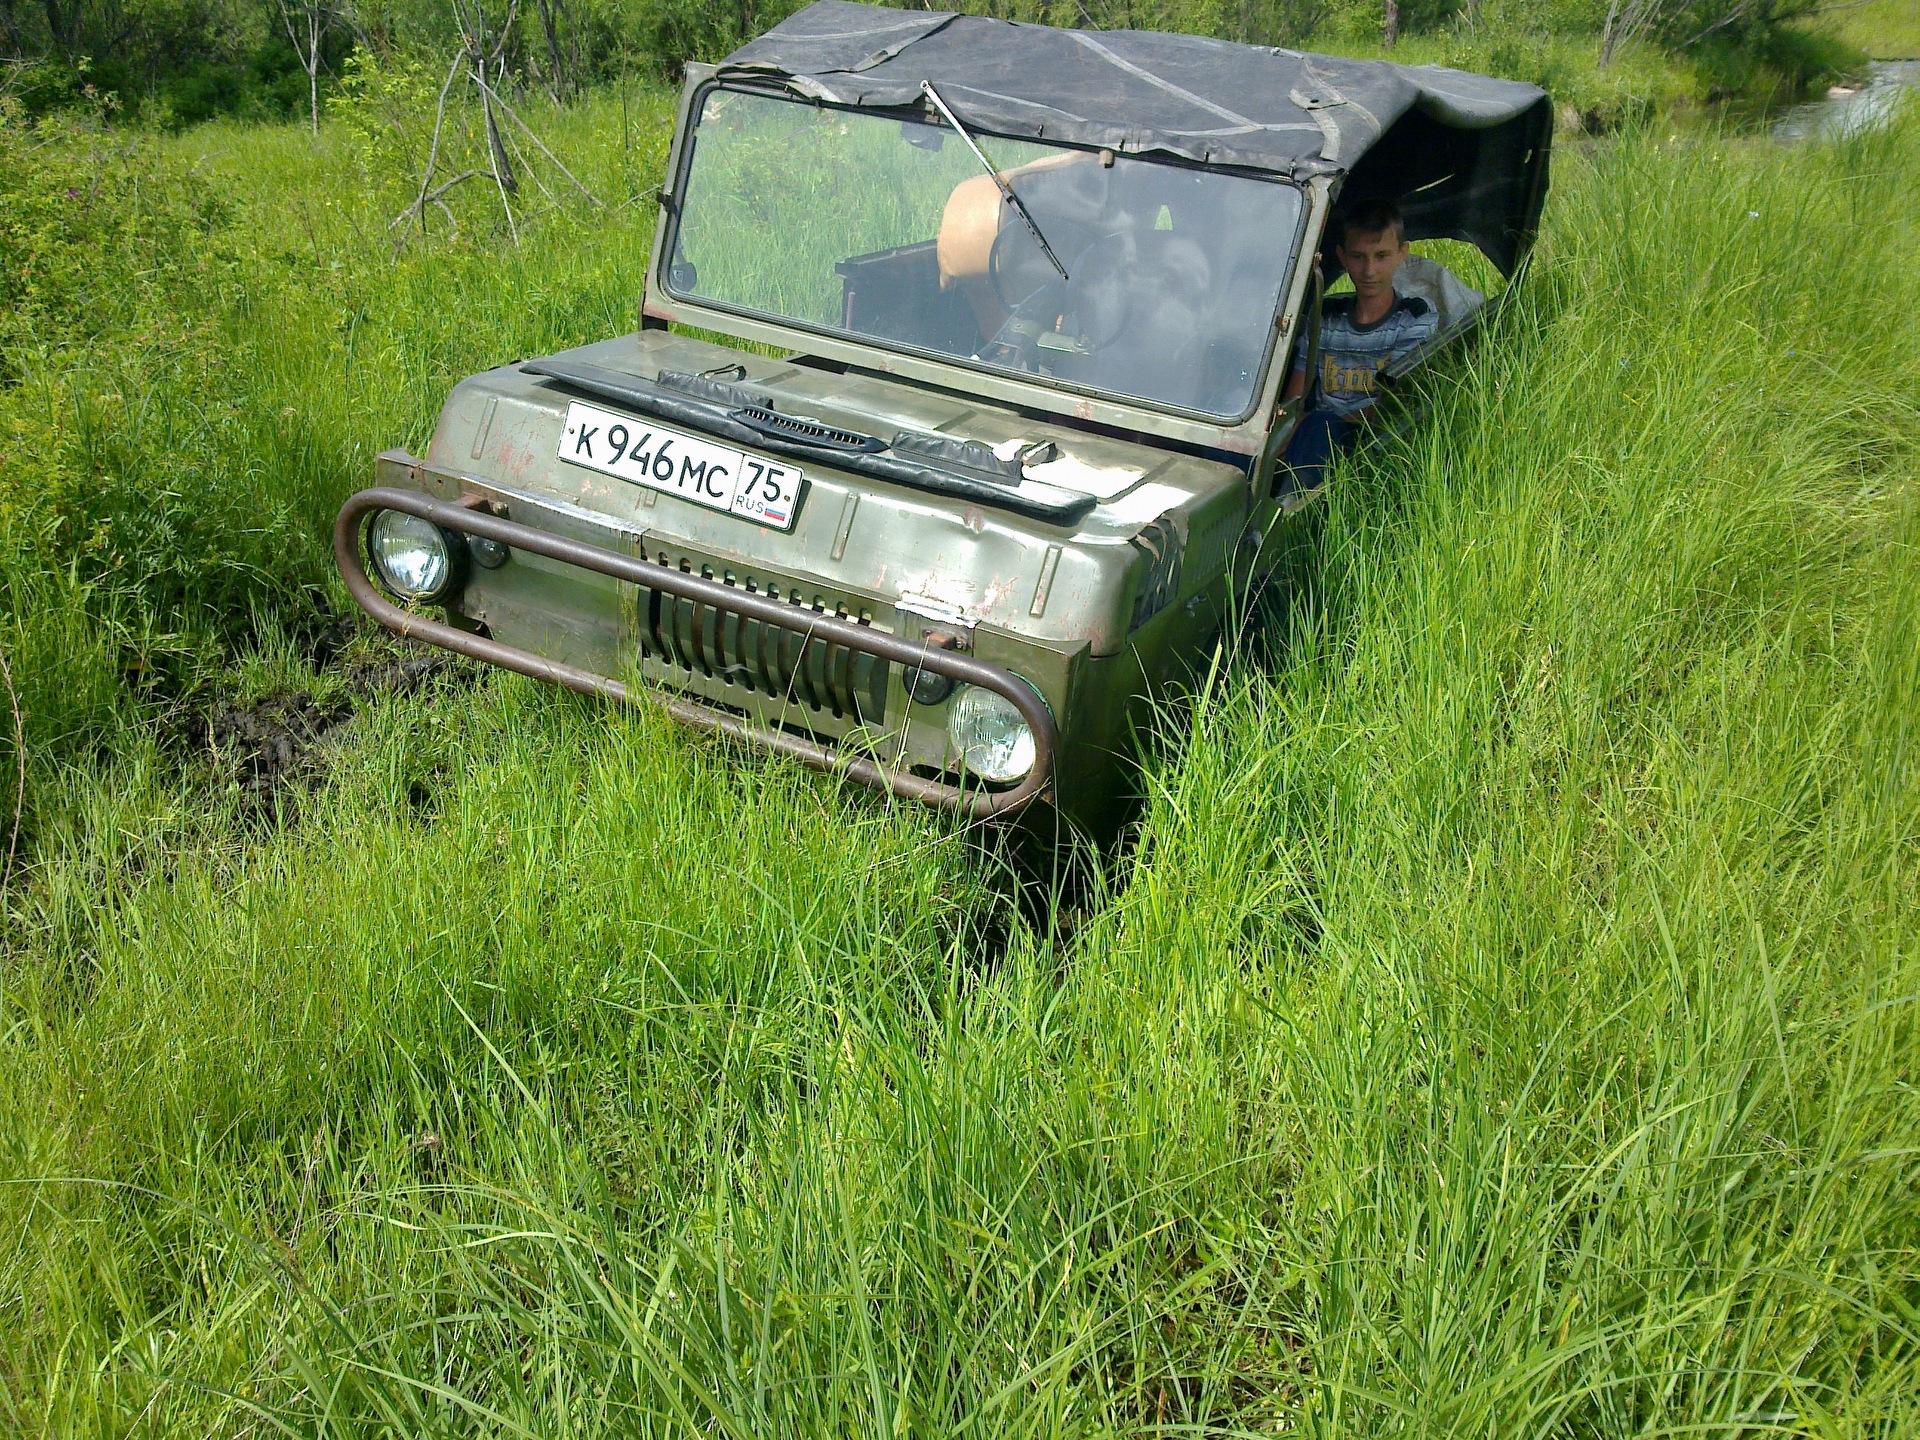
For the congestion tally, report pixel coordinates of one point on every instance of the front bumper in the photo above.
(815, 630)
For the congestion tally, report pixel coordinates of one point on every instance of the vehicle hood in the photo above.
(1064, 585)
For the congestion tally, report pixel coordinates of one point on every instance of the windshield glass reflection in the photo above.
(888, 230)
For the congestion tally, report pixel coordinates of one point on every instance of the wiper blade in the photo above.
(1019, 205)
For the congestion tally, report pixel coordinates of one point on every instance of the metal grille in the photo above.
(770, 660)
(1161, 544)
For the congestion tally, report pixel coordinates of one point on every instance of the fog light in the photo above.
(412, 555)
(929, 687)
(993, 737)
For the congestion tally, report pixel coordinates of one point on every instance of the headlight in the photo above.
(993, 738)
(412, 555)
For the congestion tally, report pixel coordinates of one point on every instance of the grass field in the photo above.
(1884, 29)
(1506, 1025)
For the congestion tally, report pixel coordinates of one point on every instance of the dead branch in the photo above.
(496, 154)
(528, 132)
(479, 50)
(478, 55)
(556, 77)
(520, 156)
(419, 206)
(432, 197)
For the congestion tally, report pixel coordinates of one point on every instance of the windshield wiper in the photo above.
(1014, 200)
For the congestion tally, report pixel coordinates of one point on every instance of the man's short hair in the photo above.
(1372, 217)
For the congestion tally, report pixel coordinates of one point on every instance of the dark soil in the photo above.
(271, 744)
(266, 745)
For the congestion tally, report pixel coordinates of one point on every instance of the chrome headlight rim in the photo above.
(972, 705)
(453, 557)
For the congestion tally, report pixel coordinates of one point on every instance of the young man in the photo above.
(1359, 334)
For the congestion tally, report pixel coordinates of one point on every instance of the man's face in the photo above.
(1371, 259)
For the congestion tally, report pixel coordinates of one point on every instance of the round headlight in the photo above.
(411, 554)
(993, 738)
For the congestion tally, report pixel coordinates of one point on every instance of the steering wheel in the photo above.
(1101, 292)
(1092, 306)
(1016, 265)
(1014, 344)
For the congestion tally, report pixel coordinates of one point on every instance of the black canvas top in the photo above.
(1133, 91)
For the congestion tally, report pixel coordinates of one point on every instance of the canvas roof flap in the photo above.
(1465, 155)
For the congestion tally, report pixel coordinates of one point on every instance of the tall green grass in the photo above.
(1505, 1025)
(1884, 29)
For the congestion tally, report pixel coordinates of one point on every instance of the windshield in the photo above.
(889, 230)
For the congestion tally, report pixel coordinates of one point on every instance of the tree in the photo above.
(472, 18)
(1626, 20)
(66, 24)
(307, 23)
(556, 77)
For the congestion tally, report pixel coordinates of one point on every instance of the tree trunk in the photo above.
(1391, 31)
(313, 18)
(11, 24)
(64, 25)
(313, 64)
(556, 67)
(496, 147)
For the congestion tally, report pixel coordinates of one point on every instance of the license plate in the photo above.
(716, 476)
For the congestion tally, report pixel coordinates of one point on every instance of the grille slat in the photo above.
(782, 664)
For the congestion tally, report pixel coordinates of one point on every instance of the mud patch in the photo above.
(268, 744)
(277, 744)
(403, 674)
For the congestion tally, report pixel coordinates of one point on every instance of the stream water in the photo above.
(1847, 110)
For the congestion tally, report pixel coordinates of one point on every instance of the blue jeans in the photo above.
(1320, 436)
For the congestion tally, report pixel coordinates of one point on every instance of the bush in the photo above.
(94, 224)
(1776, 65)
(116, 500)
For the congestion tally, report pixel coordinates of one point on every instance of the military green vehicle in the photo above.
(954, 414)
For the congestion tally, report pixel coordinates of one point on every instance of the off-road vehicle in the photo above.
(954, 413)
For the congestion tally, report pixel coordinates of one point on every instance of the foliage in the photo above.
(97, 228)
(167, 455)
(1505, 1024)
(181, 61)
(108, 245)
(1884, 29)
(173, 62)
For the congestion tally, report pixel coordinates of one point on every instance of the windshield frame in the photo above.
(663, 303)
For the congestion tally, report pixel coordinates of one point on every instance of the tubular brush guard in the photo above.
(974, 802)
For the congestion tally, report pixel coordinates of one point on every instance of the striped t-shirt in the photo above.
(1352, 355)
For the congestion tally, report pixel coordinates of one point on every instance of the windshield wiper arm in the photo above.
(1014, 200)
